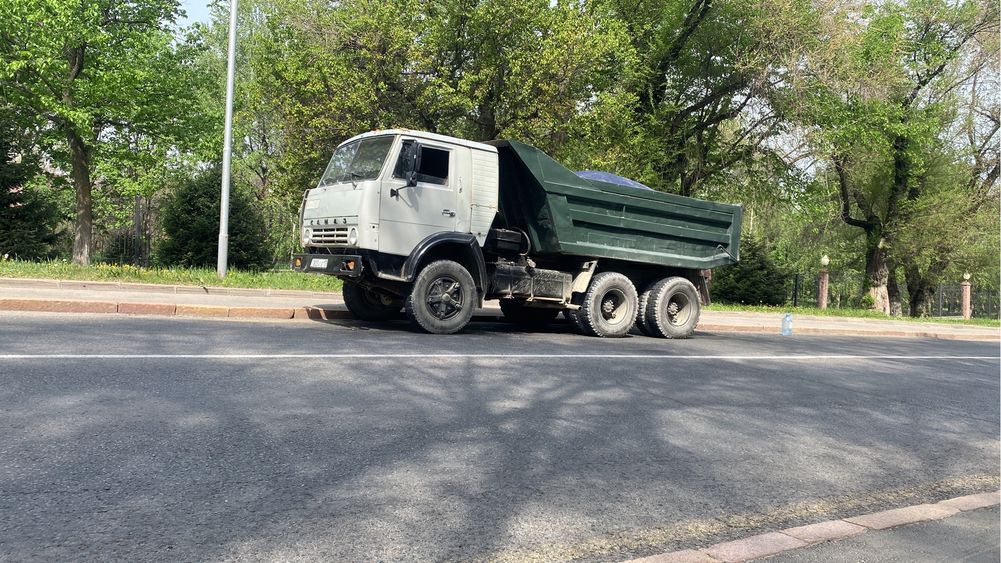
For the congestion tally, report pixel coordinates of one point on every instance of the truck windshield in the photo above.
(357, 160)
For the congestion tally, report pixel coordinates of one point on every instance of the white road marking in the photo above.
(474, 356)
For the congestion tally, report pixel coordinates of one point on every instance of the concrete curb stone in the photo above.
(772, 543)
(973, 502)
(901, 516)
(58, 305)
(825, 531)
(754, 547)
(201, 311)
(147, 308)
(262, 312)
(684, 556)
(319, 314)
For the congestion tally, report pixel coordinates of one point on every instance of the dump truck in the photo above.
(431, 226)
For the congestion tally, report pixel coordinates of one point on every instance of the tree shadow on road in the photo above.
(464, 458)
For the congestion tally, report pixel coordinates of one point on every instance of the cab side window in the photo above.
(433, 167)
(432, 164)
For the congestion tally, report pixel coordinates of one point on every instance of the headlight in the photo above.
(306, 235)
(353, 236)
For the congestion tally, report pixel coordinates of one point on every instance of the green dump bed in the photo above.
(565, 214)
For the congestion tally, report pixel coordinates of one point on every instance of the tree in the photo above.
(93, 76)
(27, 219)
(755, 280)
(478, 69)
(696, 106)
(191, 226)
(876, 94)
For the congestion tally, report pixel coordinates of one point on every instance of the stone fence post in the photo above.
(967, 309)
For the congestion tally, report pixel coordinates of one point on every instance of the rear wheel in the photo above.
(371, 305)
(443, 298)
(641, 313)
(518, 313)
(673, 308)
(609, 306)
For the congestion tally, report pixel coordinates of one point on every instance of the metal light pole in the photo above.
(824, 281)
(227, 151)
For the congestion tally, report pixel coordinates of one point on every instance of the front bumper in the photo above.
(348, 265)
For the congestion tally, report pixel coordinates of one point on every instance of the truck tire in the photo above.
(609, 306)
(516, 312)
(443, 298)
(641, 313)
(370, 305)
(673, 309)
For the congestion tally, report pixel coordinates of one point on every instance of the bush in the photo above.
(755, 280)
(28, 219)
(191, 226)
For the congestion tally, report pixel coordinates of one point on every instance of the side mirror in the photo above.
(407, 165)
(413, 164)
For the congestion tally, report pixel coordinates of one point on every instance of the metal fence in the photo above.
(845, 291)
(131, 240)
(948, 301)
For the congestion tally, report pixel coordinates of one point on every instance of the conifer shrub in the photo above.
(191, 226)
(755, 280)
(29, 221)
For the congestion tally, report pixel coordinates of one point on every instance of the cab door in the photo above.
(419, 196)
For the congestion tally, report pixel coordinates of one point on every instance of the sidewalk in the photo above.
(70, 296)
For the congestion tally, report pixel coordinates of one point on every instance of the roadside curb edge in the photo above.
(779, 541)
(340, 313)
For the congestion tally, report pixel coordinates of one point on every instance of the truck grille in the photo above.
(334, 236)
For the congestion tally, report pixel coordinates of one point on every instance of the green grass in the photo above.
(276, 279)
(852, 313)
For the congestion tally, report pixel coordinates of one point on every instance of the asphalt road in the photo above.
(191, 439)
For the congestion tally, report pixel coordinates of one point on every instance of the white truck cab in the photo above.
(386, 191)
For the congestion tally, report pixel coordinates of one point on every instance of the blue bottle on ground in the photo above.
(787, 325)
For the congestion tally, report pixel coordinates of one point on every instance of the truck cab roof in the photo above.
(428, 136)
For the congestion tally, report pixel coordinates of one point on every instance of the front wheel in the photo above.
(673, 309)
(443, 298)
(370, 304)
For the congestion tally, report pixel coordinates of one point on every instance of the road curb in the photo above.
(715, 327)
(773, 543)
(182, 310)
(41, 283)
(339, 312)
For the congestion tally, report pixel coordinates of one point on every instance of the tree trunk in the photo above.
(893, 291)
(877, 271)
(922, 293)
(84, 223)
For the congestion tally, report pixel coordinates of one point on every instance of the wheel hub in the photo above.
(678, 310)
(607, 306)
(444, 298)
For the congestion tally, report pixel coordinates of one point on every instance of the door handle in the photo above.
(448, 213)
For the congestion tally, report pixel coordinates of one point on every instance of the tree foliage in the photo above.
(103, 82)
(755, 280)
(859, 129)
(28, 219)
(879, 95)
(191, 226)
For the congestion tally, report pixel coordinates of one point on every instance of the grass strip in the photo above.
(204, 277)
